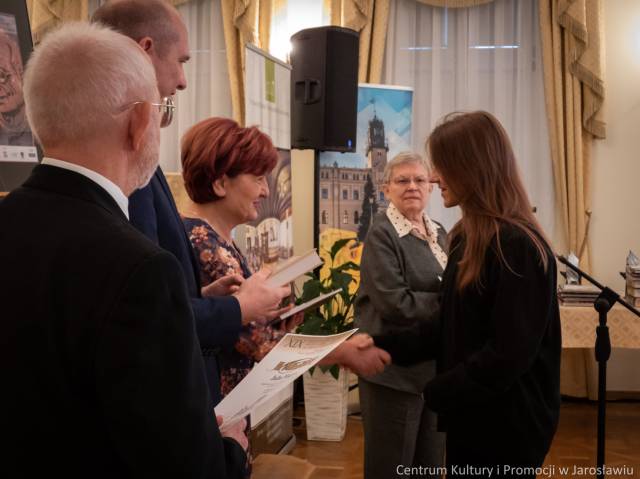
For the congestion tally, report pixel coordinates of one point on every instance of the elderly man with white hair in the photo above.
(102, 372)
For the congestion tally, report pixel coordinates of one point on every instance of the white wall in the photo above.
(302, 199)
(615, 223)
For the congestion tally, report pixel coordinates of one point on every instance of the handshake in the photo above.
(260, 303)
(360, 355)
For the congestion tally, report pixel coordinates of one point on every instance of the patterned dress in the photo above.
(218, 258)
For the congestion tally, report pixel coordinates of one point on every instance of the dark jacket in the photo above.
(399, 288)
(153, 211)
(101, 368)
(498, 387)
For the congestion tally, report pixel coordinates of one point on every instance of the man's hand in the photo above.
(235, 432)
(259, 301)
(223, 286)
(359, 355)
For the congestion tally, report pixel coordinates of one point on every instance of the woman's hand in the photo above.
(291, 323)
(224, 286)
(359, 355)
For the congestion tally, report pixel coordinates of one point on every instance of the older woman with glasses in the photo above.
(402, 263)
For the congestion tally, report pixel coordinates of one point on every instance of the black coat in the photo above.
(498, 354)
(102, 371)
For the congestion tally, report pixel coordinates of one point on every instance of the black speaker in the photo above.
(324, 89)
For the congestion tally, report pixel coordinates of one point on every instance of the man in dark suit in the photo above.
(157, 27)
(102, 371)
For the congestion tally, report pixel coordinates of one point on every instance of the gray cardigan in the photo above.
(399, 287)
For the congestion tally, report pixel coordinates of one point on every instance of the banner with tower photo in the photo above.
(350, 184)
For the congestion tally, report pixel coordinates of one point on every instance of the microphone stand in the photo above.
(603, 303)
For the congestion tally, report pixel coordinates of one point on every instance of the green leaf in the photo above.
(341, 280)
(311, 289)
(337, 246)
(348, 266)
(312, 324)
(335, 371)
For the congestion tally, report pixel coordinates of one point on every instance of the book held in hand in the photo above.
(293, 268)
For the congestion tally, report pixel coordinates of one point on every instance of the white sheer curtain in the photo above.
(485, 57)
(207, 92)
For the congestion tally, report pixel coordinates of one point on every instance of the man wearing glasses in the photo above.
(157, 27)
(101, 368)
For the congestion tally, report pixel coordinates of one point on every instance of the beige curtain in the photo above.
(45, 15)
(240, 23)
(370, 18)
(454, 3)
(571, 33)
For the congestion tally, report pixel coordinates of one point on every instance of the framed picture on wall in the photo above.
(18, 152)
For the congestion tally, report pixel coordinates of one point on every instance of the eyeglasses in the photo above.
(165, 107)
(419, 181)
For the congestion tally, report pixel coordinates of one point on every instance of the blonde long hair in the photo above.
(473, 154)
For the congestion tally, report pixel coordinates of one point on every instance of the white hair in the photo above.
(79, 78)
(401, 159)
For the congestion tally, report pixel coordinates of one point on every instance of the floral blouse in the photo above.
(218, 258)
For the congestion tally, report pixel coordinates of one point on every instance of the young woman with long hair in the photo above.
(497, 340)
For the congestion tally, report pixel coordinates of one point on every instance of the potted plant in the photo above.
(326, 388)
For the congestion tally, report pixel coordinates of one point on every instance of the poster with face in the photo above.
(18, 152)
(14, 129)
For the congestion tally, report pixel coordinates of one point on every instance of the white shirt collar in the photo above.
(109, 186)
(403, 226)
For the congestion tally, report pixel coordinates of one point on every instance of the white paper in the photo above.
(289, 359)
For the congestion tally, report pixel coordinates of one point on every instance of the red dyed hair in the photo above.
(219, 146)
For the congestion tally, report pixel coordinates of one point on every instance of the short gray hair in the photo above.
(79, 78)
(401, 159)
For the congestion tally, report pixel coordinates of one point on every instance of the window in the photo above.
(345, 194)
(381, 196)
(356, 194)
(323, 216)
(291, 17)
(345, 217)
(356, 217)
(486, 57)
(325, 194)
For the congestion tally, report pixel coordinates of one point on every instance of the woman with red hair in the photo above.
(224, 167)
